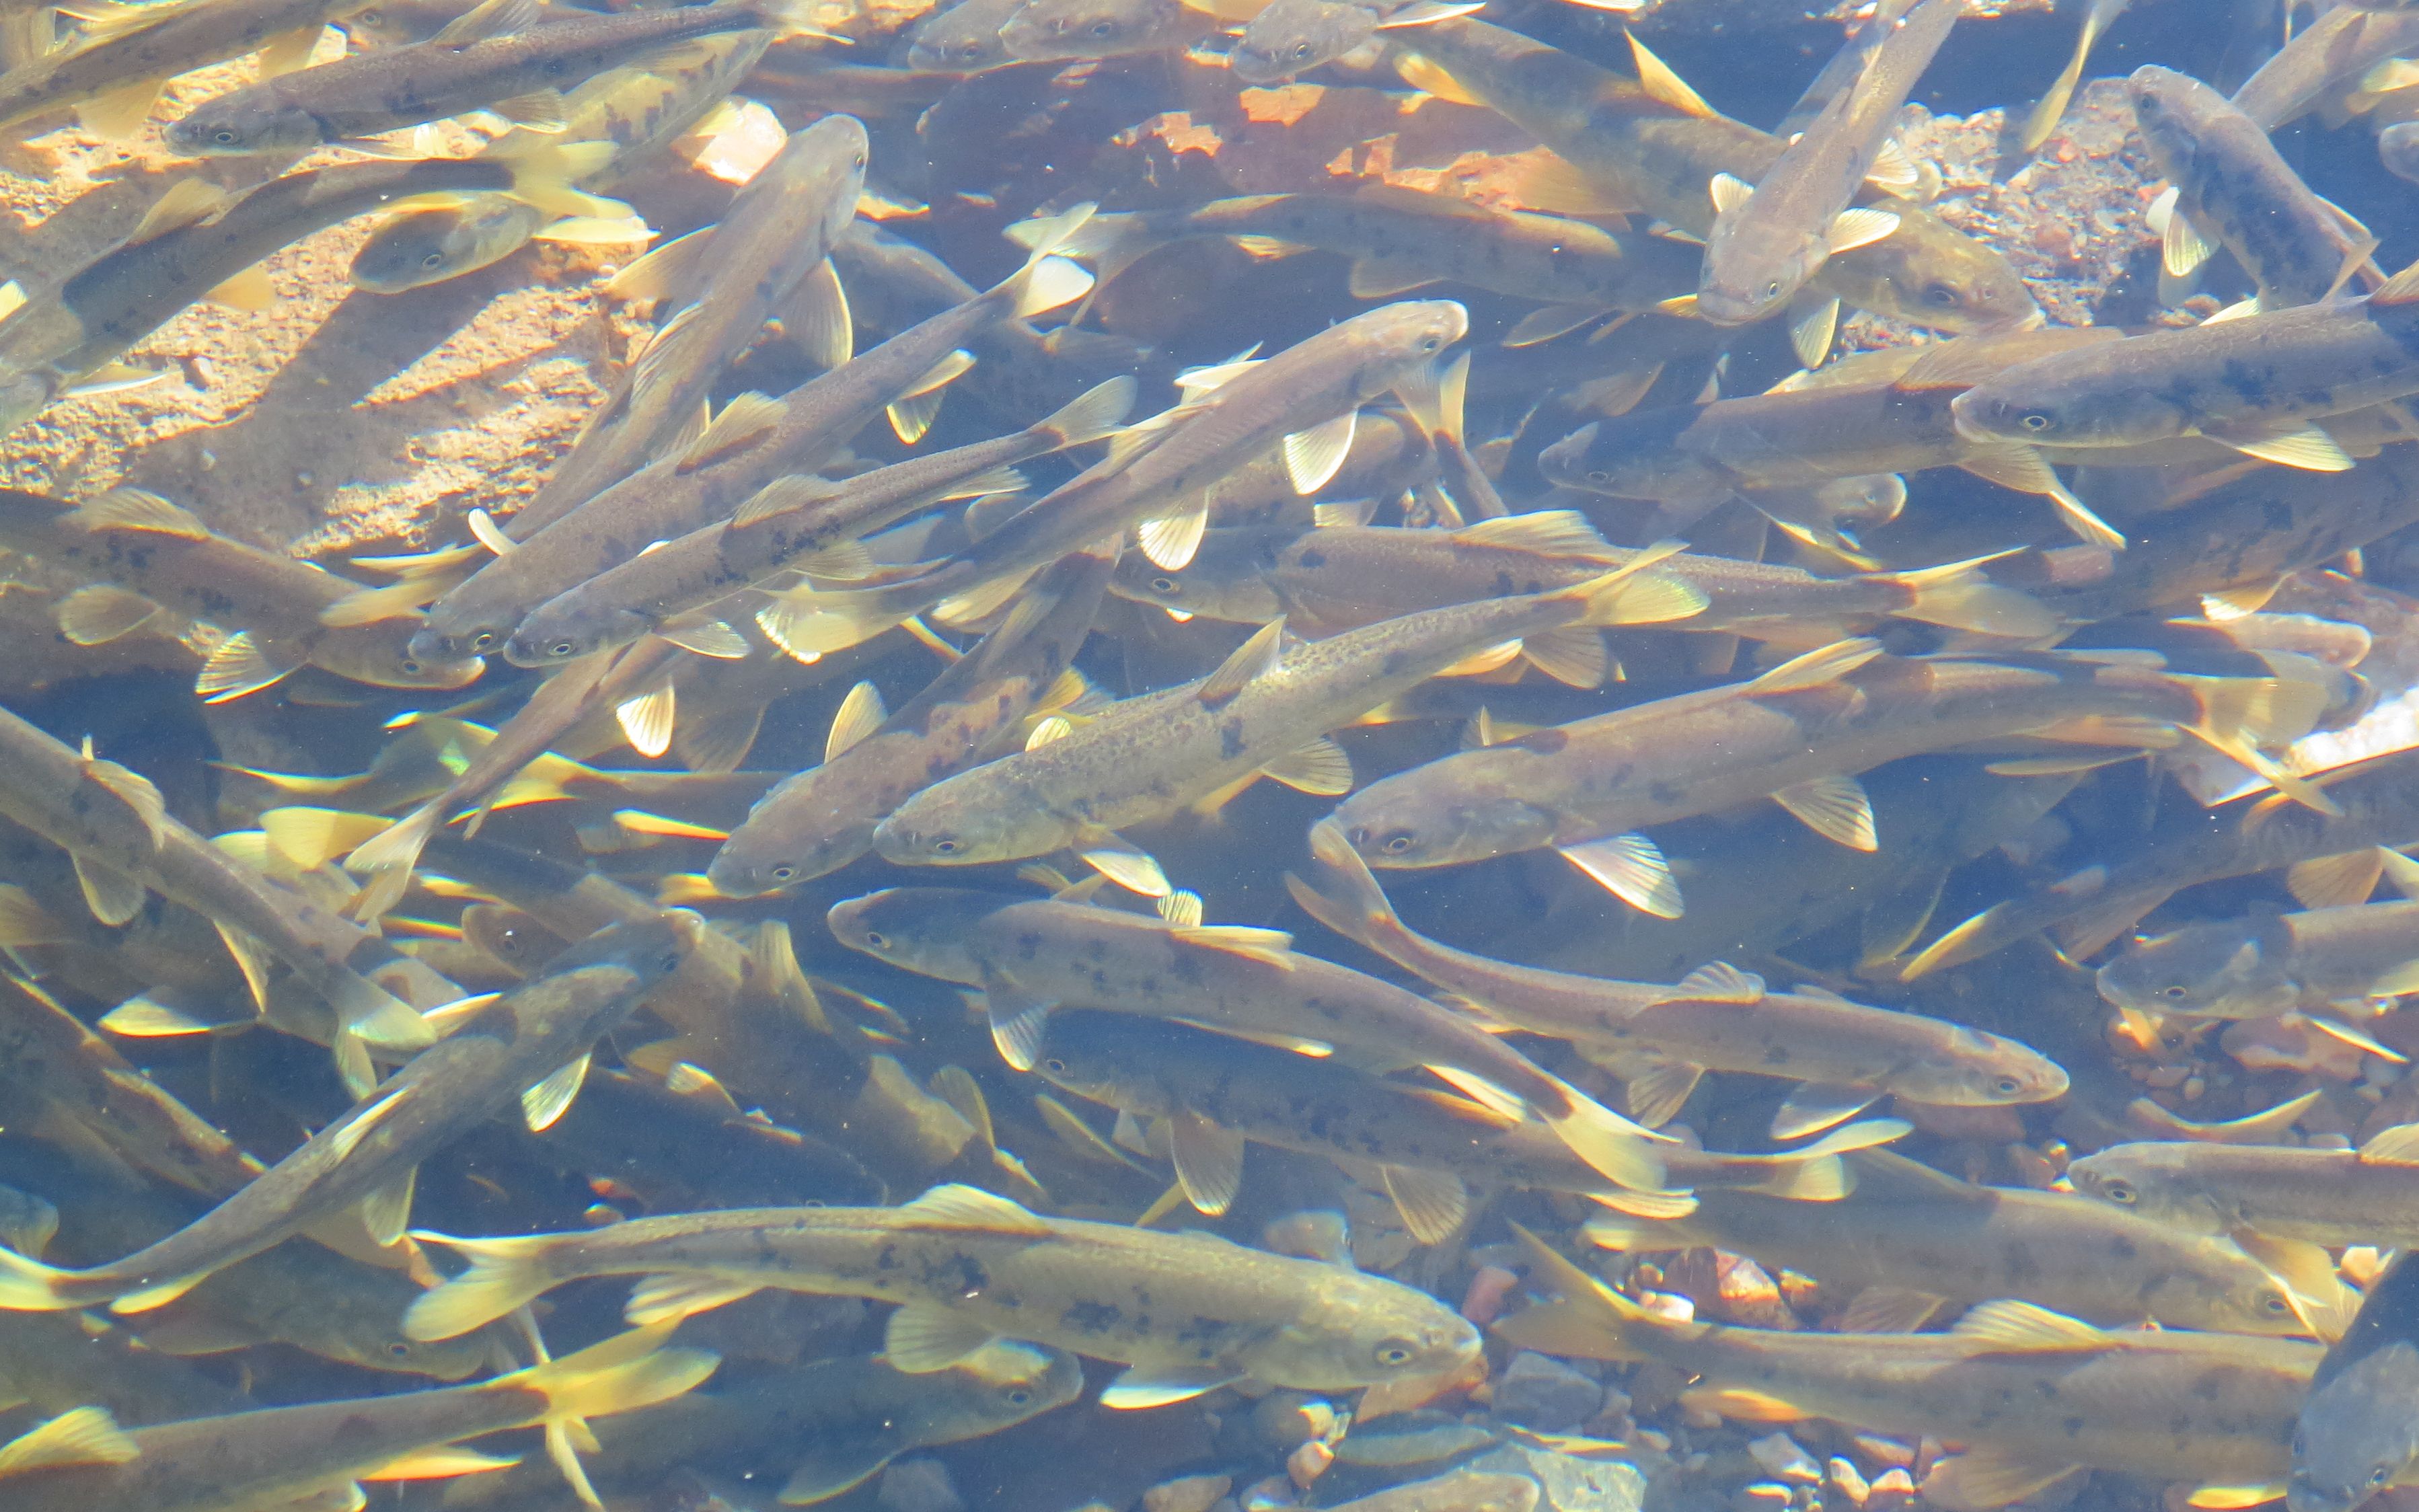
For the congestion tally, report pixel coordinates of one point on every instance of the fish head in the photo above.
(942, 828)
(1226, 578)
(1417, 828)
(1640, 456)
(924, 930)
(827, 161)
(1988, 1071)
(2229, 1292)
(999, 1386)
(1403, 336)
(2036, 412)
(2215, 969)
(1041, 30)
(1292, 36)
(1734, 293)
(808, 840)
(2357, 1433)
(366, 1336)
(2151, 1180)
(550, 637)
(2171, 109)
(1095, 1057)
(961, 38)
(467, 621)
(430, 245)
(1931, 275)
(24, 394)
(379, 653)
(650, 948)
(1358, 1330)
(232, 126)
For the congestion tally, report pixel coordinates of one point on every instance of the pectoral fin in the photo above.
(1017, 1020)
(1209, 1161)
(1140, 1387)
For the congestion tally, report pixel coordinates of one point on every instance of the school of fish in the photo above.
(1213, 756)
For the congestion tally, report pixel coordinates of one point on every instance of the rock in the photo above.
(1192, 1493)
(919, 1485)
(1546, 1395)
(1569, 1483)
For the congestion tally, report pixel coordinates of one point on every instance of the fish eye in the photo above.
(560, 648)
(1941, 297)
(2174, 992)
(398, 1351)
(1105, 29)
(2120, 1192)
(2036, 420)
(1398, 845)
(785, 874)
(1430, 345)
(223, 137)
(1393, 1351)
(2275, 1306)
(411, 669)
(483, 640)
(877, 940)
(2007, 1087)
(668, 962)
(1301, 51)
(944, 846)
(1772, 290)
(1055, 1066)
(1018, 1397)
(857, 161)
(433, 261)
(2380, 1476)
(1599, 475)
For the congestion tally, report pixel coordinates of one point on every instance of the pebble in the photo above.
(1780, 1458)
(1192, 1493)
(1567, 1483)
(1547, 1395)
(919, 1485)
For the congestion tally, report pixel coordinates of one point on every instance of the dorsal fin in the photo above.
(1826, 663)
(740, 422)
(2022, 1325)
(1657, 78)
(87, 1436)
(957, 1206)
(1251, 661)
(137, 509)
(860, 714)
(188, 202)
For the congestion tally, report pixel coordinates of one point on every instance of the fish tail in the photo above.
(1813, 1179)
(1047, 280)
(1630, 594)
(1095, 415)
(1959, 596)
(810, 624)
(389, 856)
(2240, 715)
(1341, 892)
(1617, 1148)
(1591, 1320)
(28, 1286)
(503, 1274)
(544, 175)
(788, 19)
(630, 1370)
(1110, 243)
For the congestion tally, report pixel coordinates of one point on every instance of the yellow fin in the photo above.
(1659, 80)
(737, 425)
(87, 1436)
(1271, 946)
(1826, 663)
(2023, 1326)
(957, 1206)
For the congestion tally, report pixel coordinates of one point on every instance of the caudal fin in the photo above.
(28, 1286)
(2240, 716)
(1959, 596)
(1341, 892)
(622, 1373)
(503, 1274)
(388, 858)
(1592, 1321)
(1619, 1149)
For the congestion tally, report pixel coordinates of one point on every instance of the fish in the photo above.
(114, 825)
(2353, 1437)
(532, 1043)
(142, 557)
(1303, 399)
(830, 1425)
(2289, 1191)
(1773, 234)
(1900, 419)
(1655, 147)
(1268, 709)
(2335, 49)
(1338, 578)
(753, 440)
(1062, 30)
(83, 1462)
(1291, 37)
(112, 79)
(1031, 958)
(1402, 239)
(496, 57)
(1925, 1239)
(2270, 963)
(199, 242)
(2031, 1393)
(1660, 1040)
(640, 110)
(2097, 17)
(1184, 1313)
(768, 256)
(817, 820)
(55, 1365)
(2233, 189)
(1582, 788)
(2253, 383)
(963, 38)
(1424, 1149)
(797, 521)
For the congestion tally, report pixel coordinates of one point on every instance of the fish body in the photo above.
(828, 1425)
(1909, 1228)
(2253, 383)
(134, 549)
(1185, 1312)
(2030, 1393)
(2231, 183)
(1657, 158)
(371, 1154)
(1828, 714)
(793, 521)
(457, 71)
(2334, 1198)
(1147, 757)
(1400, 240)
(54, 1365)
(198, 239)
(1316, 383)
(282, 1456)
(2333, 49)
(1766, 243)
(2268, 964)
(115, 77)
(1032, 958)
(2358, 1432)
(1844, 1055)
(821, 819)
(719, 286)
(758, 440)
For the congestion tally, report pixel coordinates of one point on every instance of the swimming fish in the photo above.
(2354, 1436)
(2097, 17)
(532, 1043)
(1184, 1313)
(114, 75)
(1058, 30)
(2270, 963)
(1030, 958)
(1660, 1040)
(2370, 1195)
